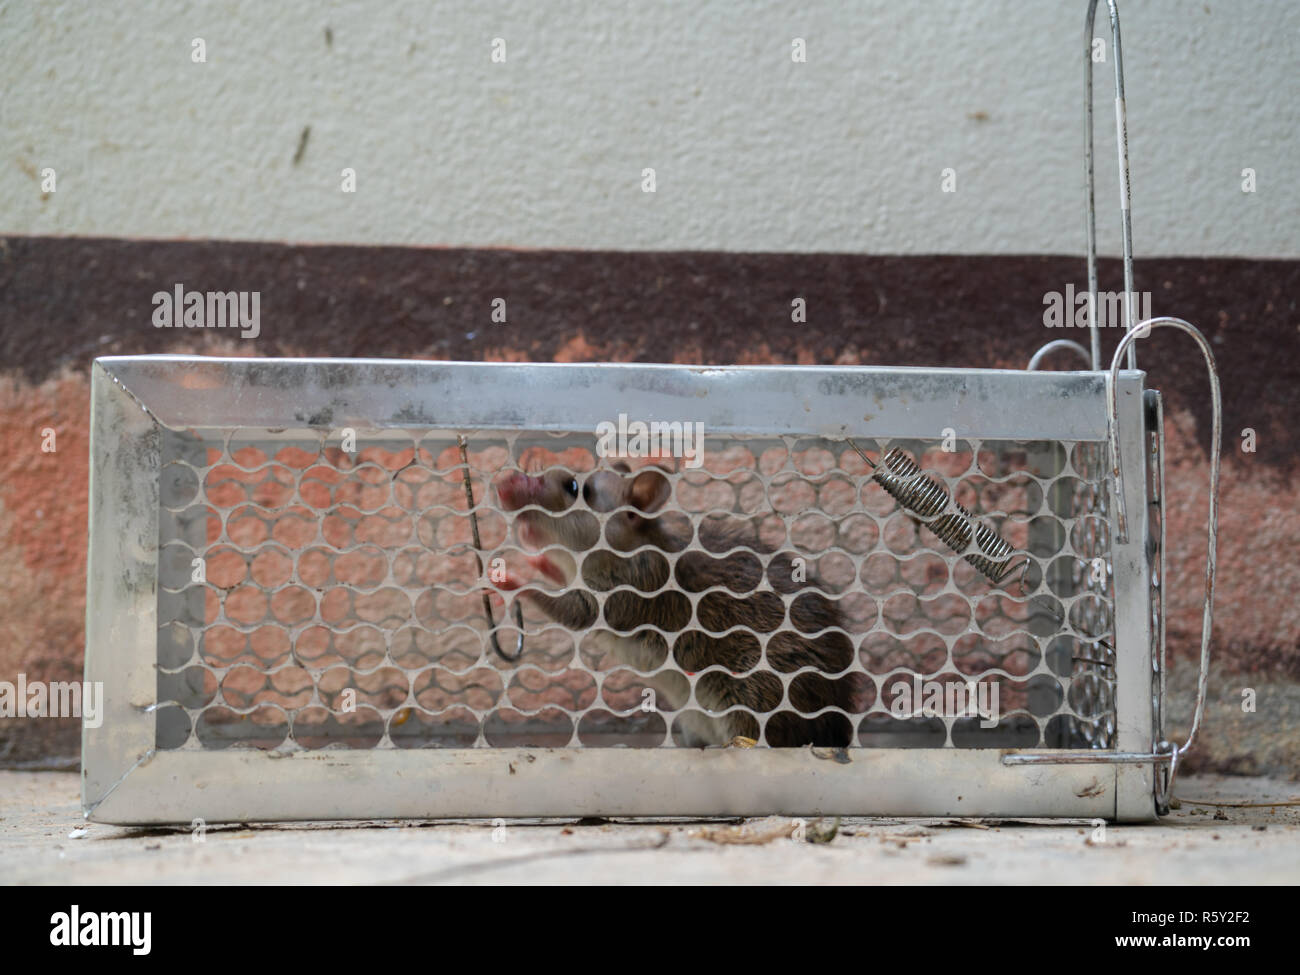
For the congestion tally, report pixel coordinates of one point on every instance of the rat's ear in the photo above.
(649, 491)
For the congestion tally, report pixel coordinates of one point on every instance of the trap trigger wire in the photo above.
(463, 444)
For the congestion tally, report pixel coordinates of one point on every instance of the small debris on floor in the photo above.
(757, 833)
(763, 831)
(946, 859)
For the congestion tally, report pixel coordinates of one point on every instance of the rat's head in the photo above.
(557, 490)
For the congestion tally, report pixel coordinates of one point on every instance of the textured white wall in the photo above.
(752, 151)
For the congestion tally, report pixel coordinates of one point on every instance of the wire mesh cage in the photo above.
(401, 569)
(312, 596)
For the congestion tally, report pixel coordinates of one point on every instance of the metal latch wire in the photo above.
(463, 444)
(1090, 219)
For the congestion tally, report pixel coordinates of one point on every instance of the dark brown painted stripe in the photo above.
(65, 300)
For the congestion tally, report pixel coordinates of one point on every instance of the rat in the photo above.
(563, 530)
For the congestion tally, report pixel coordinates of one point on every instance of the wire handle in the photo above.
(1216, 436)
(1037, 359)
(1090, 219)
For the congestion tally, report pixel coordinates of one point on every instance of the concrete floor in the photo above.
(43, 840)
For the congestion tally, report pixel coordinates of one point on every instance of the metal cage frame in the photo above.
(127, 780)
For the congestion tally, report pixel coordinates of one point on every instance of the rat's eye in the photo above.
(571, 487)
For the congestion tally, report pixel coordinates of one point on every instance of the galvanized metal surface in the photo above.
(122, 592)
(829, 401)
(243, 786)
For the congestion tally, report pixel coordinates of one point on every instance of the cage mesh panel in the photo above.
(311, 597)
(1093, 677)
(1155, 515)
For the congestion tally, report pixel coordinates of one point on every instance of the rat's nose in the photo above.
(517, 489)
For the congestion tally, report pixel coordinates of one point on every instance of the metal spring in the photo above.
(925, 497)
